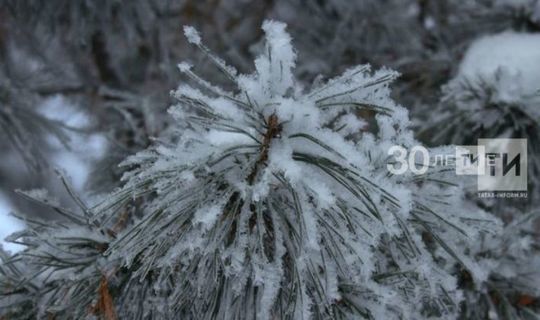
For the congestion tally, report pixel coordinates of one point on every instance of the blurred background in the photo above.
(85, 83)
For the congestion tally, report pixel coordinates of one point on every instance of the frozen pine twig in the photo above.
(263, 202)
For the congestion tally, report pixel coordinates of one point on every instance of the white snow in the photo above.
(516, 54)
(8, 225)
(223, 138)
(275, 70)
(208, 215)
(184, 66)
(192, 35)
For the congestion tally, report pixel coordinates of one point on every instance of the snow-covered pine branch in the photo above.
(514, 284)
(271, 201)
(495, 94)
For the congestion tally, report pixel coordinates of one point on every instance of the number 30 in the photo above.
(403, 164)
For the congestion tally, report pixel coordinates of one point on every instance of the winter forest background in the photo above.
(171, 159)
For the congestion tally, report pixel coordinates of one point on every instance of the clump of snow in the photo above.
(517, 55)
(184, 66)
(8, 225)
(192, 35)
(281, 60)
(208, 215)
(218, 138)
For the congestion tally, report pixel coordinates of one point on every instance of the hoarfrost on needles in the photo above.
(267, 205)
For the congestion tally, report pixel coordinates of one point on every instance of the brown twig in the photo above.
(105, 304)
(273, 130)
(120, 224)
